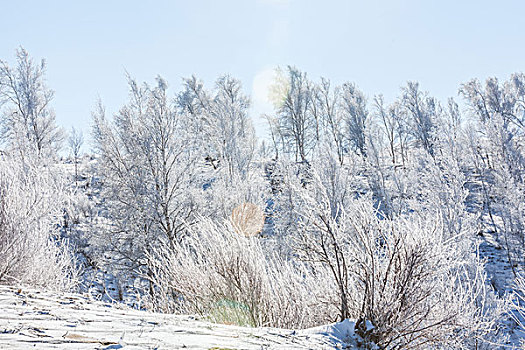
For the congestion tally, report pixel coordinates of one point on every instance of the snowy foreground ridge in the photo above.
(34, 319)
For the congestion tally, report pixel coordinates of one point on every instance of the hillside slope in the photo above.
(35, 319)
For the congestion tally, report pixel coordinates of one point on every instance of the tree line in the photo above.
(373, 210)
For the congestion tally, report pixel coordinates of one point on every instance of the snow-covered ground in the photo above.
(35, 319)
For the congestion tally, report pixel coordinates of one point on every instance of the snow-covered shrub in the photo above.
(237, 279)
(31, 251)
(414, 281)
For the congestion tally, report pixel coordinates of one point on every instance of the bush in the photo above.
(31, 251)
(414, 281)
(236, 279)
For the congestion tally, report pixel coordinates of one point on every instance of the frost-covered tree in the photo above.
(505, 99)
(327, 100)
(221, 118)
(234, 135)
(421, 111)
(75, 142)
(355, 115)
(498, 157)
(33, 192)
(394, 128)
(163, 161)
(27, 121)
(147, 160)
(227, 140)
(296, 124)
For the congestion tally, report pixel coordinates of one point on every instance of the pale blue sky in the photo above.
(377, 44)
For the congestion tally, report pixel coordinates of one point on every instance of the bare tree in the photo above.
(75, 142)
(506, 100)
(498, 157)
(275, 133)
(27, 119)
(328, 101)
(387, 120)
(355, 116)
(297, 124)
(224, 134)
(147, 160)
(421, 111)
(234, 135)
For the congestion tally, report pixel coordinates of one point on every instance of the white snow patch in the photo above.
(33, 318)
